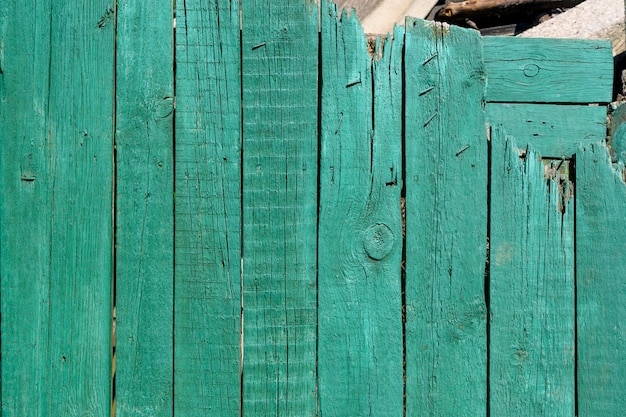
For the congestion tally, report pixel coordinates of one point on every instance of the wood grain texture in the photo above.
(555, 131)
(56, 231)
(207, 350)
(144, 209)
(548, 70)
(446, 172)
(600, 283)
(280, 105)
(531, 283)
(360, 227)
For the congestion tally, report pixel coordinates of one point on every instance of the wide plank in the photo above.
(360, 229)
(600, 283)
(207, 332)
(553, 130)
(531, 282)
(280, 148)
(534, 70)
(144, 209)
(56, 206)
(446, 221)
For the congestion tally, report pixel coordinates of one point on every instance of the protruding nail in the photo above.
(430, 119)
(431, 58)
(427, 90)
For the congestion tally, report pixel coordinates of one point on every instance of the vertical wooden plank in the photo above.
(25, 209)
(446, 221)
(280, 91)
(360, 229)
(144, 208)
(531, 285)
(208, 214)
(600, 283)
(56, 118)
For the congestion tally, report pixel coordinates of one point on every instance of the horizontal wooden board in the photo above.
(552, 130)
(548, 70)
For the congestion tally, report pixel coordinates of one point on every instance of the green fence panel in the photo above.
(296, 218)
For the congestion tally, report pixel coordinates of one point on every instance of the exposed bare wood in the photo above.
(390, 12)
(494, 10)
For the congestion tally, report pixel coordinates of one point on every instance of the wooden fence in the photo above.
(291, 221)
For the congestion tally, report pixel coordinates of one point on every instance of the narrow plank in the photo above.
(280, 105)
(56, 118)
(600, 284)
(531, 283)
(446, 221)
(360, 228)
(552, 130)
(144, 209)
(207, 355)
(548, 70)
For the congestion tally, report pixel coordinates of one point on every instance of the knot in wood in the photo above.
(531, 70)
(378, 241)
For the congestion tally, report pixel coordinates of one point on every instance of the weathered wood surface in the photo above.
(552, 130)
(531, 283)
(280, 144)
(548, 70)
(56, 231)
(207, 327)
(446, 156)
(600, 285)
(220, 228)
(360, 228)
(144, 209)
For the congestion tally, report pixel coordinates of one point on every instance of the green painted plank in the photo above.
(617, 132)
(600, 283)
(208, 210)
(552, 130)
(360, 228)
(531, 283)
(532, 70)
(144, 209)
(56, 243)
(446, 221)
(280, 92)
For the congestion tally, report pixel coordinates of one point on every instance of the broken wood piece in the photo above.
(495, 10)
